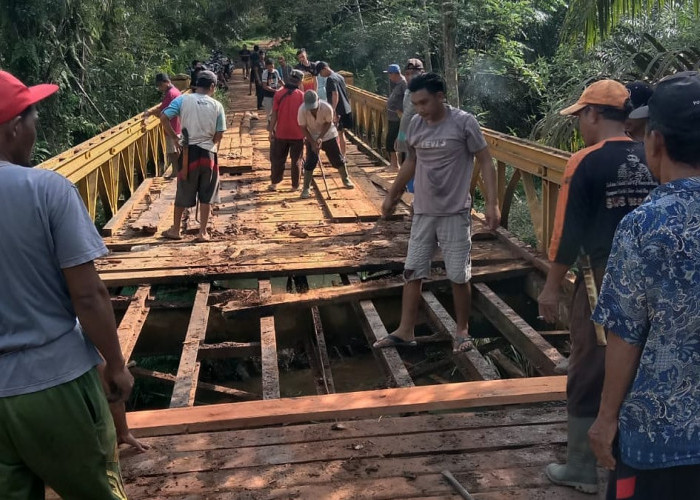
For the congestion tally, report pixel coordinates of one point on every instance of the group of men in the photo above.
(627, 212)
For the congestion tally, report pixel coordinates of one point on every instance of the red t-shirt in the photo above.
(169, 97)
(287, 105)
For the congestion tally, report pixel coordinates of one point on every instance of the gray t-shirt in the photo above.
(45, 229)
(394, 102)
(444, 161)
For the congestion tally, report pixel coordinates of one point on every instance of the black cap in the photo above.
(675, 105)
(206, 79)
(640, 92)
(162, 77)
(321, 65)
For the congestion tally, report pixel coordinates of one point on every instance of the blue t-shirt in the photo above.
(651, 298)
(45, 229)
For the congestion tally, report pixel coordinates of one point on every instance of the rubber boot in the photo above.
(345, 177)
(579, 472)
(308, 175)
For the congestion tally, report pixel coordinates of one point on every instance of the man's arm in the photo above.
(406, 172)
(273, 124)
(488, 173)
(548, 299)
(621, 363)
(335, 99)
(93, 307)
(167, 127)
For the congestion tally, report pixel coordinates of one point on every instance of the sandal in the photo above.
(462, 344)
(392, 340)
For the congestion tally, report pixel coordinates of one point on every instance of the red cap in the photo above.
(15, 96)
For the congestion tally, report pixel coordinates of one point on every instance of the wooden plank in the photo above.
(471, 363)
(115, 223)
(505, 364)
(385, 184)
(133, 320)
(186, 380)
(358, 291)
(158, 214)
(347, 405)
(374, 330)
(167, 377)
(526, 339)
(225, 350)
(324, 360)
(268, 348)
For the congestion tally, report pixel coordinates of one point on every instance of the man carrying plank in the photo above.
(602, 183)
(55, 422)
(442, 144)
(204, 120)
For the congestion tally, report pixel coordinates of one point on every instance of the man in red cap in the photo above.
(55, 422)
(602, 183)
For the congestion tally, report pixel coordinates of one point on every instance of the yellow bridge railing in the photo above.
(540, 169)
(111, 165)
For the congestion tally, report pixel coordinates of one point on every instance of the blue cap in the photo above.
(393, 68)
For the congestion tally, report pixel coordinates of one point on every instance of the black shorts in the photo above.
(392, 134)
(345, 121)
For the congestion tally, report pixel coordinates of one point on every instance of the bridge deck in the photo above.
(234, 450)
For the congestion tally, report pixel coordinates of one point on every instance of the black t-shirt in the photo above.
(336, 83)
(601, 185)
(245, 55)
(311, 68)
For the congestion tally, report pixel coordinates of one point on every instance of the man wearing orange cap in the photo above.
(55, 422)
(602, 183)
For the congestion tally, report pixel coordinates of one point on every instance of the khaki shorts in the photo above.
(452, 233)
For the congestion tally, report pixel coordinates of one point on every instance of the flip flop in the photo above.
(462, 344)
(392, 340)
(170, 236)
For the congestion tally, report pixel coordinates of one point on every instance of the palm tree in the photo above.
(596, 18)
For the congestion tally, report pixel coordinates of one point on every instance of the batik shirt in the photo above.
(651, 298)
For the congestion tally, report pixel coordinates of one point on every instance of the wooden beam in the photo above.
(186, 380)
(374, 330)
(471, 363)
(536, 349)
(362, 404)
(359, 291)
(133, 320)
(324, 360)
(505, 364)
(268, 348)
(123, 213)
(205, 386)
(158, 212)
(227, 350)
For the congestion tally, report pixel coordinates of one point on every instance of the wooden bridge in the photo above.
(340, 441)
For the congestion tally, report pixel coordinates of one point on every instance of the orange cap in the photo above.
(601, 93)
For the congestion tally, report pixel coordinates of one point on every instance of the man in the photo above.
(286, 137)
(204, 121)
(256, 75)
(271, 82)
(197, 67)
(308, 68)
(640, 93)
(394, 110)
(414, 67)
(244, 54)
(602, 183)
(315, 118)
(170, 93)
(284, 69)
(55, 423)
(443, 143)
(337, 96)
(648, 303)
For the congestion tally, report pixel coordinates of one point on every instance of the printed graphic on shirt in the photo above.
(634, 181)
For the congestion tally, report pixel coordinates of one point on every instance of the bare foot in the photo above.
(201, 238)
(171, 235)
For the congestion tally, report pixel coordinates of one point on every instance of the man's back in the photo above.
(202, 116)
(286, 104)
(336, 83)
(602, 184)
(47, 229)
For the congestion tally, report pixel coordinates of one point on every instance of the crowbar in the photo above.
(323, 174)
(456, 485)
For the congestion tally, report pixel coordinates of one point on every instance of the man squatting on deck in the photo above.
(602, 183)
(442, 144)
(55, 423)
(204, 120)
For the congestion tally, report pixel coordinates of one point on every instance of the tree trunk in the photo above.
(427, 61)
(450, 51)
